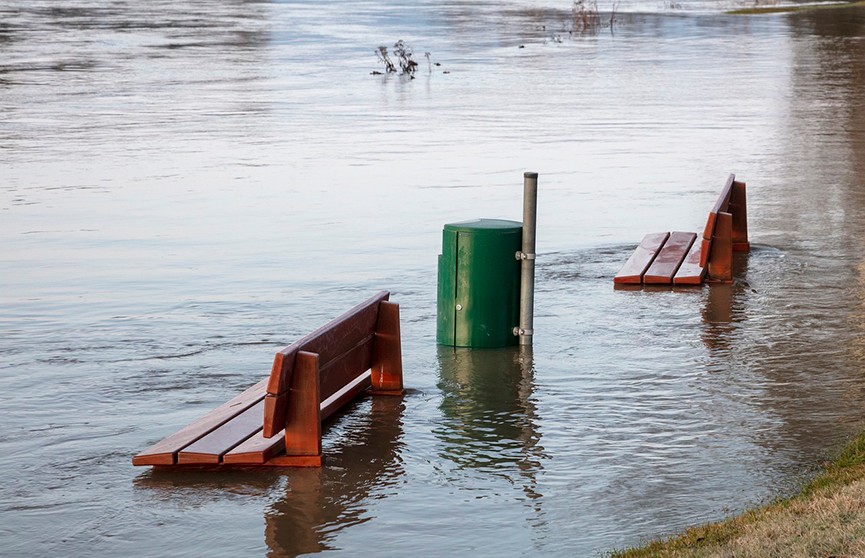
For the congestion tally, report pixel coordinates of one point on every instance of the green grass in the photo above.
(824, 519)
(757, 10)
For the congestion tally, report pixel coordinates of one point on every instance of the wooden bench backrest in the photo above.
(721, 206)
(344, 347)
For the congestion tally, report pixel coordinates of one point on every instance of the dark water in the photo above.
(187, 187)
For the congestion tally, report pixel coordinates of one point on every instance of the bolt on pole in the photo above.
(527, 257)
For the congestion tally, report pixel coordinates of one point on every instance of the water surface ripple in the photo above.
(186, 187)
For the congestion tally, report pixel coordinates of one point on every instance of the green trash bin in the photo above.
(479, 283)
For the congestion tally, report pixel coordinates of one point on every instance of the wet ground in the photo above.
(185, 188)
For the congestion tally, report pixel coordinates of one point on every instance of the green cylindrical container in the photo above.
(479, 284)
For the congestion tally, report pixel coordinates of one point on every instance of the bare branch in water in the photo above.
(403, 54)
(383, 57)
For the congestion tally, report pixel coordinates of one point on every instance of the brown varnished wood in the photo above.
(303, 424)
(165, 451)
(387, 352)
(280, 372)
(332, 377)
(720, 268)
(317, 390)
(709, 257)
(211, 448)
(691, 272)
(721, 204)
(346, 394)
(641, 259)
(346, 367)
(329, 341)
(724, 197)
(738, 208)
(706, 241)
(669, 258)
(257, 449)
(275, 408)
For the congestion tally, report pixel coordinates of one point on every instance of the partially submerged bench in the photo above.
(277, 422)
(678, 258)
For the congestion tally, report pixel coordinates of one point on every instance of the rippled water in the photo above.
(187, 187)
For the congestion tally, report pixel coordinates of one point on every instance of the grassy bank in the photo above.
(756, 10)
(826, 518)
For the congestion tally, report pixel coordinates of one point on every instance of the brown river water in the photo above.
(186, 187)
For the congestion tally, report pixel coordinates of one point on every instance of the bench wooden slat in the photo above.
(721, 205)
(257, 449)
(707, 258)
(328, 341)
(165, 451)
(724, 197)
(387, 352)
(210, 448)
(738, 209)
(358, 345)
(344, 369)
(333, 376)
(691, 272)
(669, 258)
(345, 394)
(720, 266)
(641, 259)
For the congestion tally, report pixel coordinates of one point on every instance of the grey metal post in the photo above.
(527, 257)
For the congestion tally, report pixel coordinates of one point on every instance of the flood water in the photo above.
(186, 187)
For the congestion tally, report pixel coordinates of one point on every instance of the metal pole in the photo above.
(527, 268)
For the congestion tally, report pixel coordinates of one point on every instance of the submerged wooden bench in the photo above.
(679, 258)
(277, 422)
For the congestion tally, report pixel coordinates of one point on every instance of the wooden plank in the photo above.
(633, 270)
(387, 352)
(280, 372)
(738, 208)
(303, 423)
(165, 451)
(345, 395)
(258, 450)
(329, 341)
(334, 375)
(720, 268)
(721, 205)
(724, 197)
(210, 448)
(706, 246)
(691, 272)
(275, 409)
(709, 229)
(669, 258)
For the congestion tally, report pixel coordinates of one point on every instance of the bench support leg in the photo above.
(303, 425)
(738, 209)
(721, 253)
(387, 352)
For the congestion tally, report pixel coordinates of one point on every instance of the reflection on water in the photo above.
(719, 312)
(187, 187)
(307, 507)
(490, 420)
(318, 504)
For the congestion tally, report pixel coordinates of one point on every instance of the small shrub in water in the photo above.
(403, 54)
